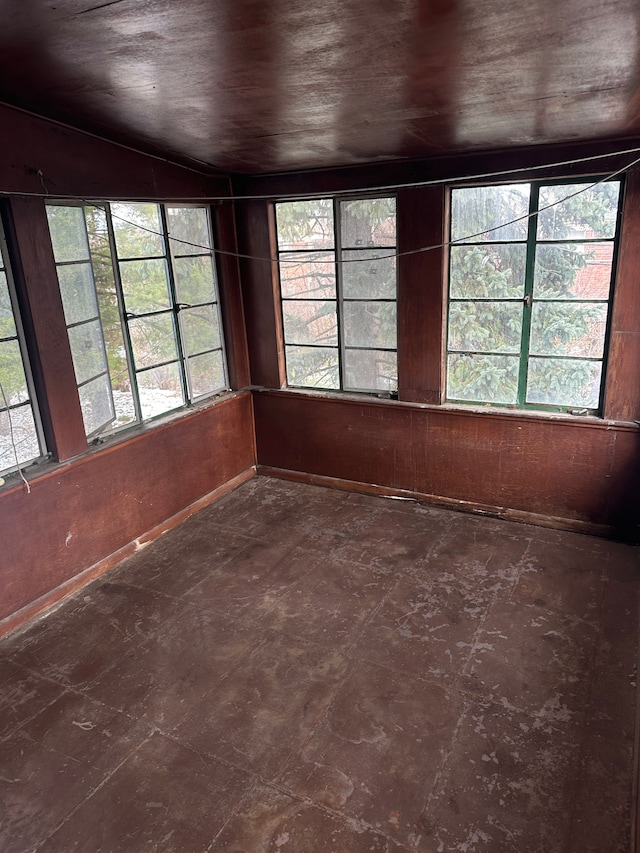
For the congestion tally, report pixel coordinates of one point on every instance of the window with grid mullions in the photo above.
(337, 262)
(21, 439)
(530, 278)
(139, 291)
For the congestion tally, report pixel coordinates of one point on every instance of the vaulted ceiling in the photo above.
(272, 85)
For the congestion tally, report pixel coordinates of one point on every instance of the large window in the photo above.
(529, 287)
(140, 298)
(338, 287)
(20, 436)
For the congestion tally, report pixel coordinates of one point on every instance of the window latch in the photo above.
(180, 305)
(527, 300)
(130, 315)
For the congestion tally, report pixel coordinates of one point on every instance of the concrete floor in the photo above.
(299, 670)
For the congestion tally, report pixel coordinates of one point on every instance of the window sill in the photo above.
(461, 409)
(47, 467)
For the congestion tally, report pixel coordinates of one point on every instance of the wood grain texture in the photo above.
(42, 157)
(255, 86)
(53, 597)
(233, 320)
(506, 164)
(256, 236)
(37, 283)
(80, 513)
(421, 293)
(622, 389)
(576, 470)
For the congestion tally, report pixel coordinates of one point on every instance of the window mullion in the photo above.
(31, 402)
(337, 243)
(177, 330)
(124, 320)
(527, 308)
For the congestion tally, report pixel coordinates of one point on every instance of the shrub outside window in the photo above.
(139, 290)
(530, 277)
(337, 261)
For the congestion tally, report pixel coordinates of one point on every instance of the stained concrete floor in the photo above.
(299, 670)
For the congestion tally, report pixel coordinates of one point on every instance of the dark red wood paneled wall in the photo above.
(578, 469)
(556, 468)
(82, 510)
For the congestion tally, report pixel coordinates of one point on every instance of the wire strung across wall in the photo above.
(467, 179)
(443, 245)
(12, 437)
(430, 182)
(362, 191)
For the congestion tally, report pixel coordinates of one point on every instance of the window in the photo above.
(20, 436)
(139, 292)
(337, 261)
(529, 286)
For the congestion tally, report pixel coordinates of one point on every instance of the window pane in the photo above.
(587, 212)
(68, 234)
(124, 406)
(371, 370)
(70, 237)
(206, 373)
(564, 382)
(137, 228)
(490, 271)
(485, 326)
(368, 222)
(568, 329)
(87, 350)
(190, 224)
(153, 340)
(160, 390)
(145, 286)
(110, 317)
(310, 322)
(195, 280)
(7, 324)
(573, 271)
(308, 275)
(483, 378)
(96, 403)
(78, 292)
(14, 383)
(305, 224)
(313, 336)
(369, 274)
(314, 367)
(25, 436)
(370, 324)
(489, 209)
(200, 330)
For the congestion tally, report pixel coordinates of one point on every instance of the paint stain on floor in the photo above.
(299, 669)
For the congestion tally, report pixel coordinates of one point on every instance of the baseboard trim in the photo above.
(569, 524)
(52, 599)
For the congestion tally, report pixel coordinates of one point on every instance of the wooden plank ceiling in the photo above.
(272, 85)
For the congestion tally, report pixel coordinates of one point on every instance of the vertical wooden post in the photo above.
(231, 297)
(41, 304)
(256, 233)
(421, 301)
(622, 390)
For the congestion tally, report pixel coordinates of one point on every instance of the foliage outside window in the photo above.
(20, 439)
(529, 287)
(139, 292)
(338, 287)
